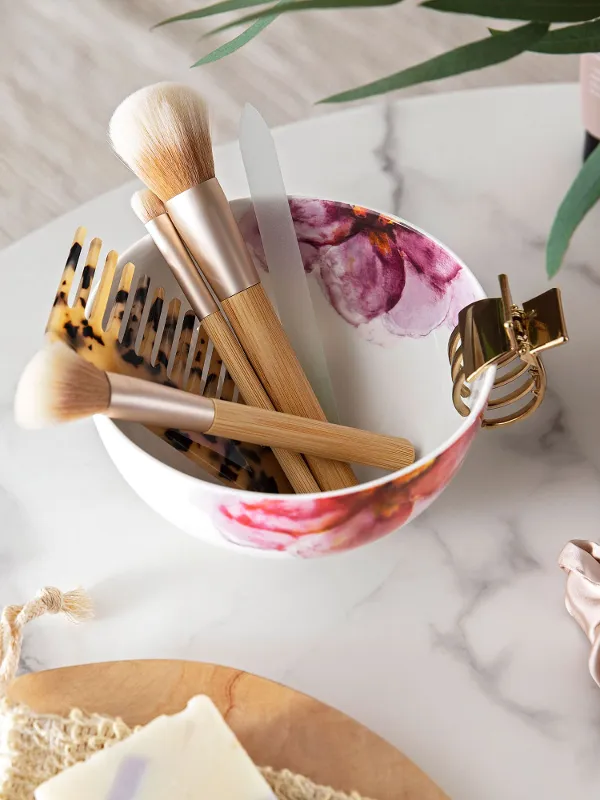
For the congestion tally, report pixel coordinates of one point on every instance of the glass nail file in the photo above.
(282, 254)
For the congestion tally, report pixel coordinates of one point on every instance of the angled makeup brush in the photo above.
(162, 133)
(151, 211)
(59, 386)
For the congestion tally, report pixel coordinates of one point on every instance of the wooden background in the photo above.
(65, 64)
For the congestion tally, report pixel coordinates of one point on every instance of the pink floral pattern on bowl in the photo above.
(382, 276)
(387, 280)
(324, 525)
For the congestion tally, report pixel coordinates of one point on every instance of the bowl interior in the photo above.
(387, 297)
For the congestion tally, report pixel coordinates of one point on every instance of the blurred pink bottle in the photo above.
(590, 100)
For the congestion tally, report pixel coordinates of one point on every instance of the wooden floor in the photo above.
(65, 64)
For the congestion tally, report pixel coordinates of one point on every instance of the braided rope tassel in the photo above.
(76, 605)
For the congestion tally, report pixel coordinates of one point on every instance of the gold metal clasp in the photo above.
(496, 332)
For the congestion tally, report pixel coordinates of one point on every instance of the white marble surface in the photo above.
(450, 638)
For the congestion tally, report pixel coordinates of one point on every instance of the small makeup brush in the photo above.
(162, 134)
(151, 212)
(59, 386)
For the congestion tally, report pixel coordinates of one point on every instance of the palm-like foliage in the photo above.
(579, 32)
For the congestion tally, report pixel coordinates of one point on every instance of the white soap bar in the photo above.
(192, 755)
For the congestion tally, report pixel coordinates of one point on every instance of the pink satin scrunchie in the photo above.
(581, 561)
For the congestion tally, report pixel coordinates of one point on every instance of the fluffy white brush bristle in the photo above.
(162, 134)
(59, 386)
(146, 205)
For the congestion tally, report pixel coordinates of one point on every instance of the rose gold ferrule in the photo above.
(166, 238)
(153, 404)
(205, 223)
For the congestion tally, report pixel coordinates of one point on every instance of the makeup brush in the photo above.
(151, 211)
(58, 386)
(162, 134)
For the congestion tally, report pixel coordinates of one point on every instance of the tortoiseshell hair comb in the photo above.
(127, 330)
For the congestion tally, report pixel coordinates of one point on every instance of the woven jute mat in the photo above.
(35, 747)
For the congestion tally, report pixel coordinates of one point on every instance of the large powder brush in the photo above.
(162, 133)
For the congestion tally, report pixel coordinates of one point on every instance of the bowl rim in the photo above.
(104, 424)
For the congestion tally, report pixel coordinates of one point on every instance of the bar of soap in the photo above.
(192, 755)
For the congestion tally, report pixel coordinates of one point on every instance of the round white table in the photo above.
(449, 638)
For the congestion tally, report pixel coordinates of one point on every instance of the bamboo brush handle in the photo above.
(266, 345)
(253, 392)
(323, 439)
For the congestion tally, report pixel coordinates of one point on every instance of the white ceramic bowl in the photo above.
(387, 296)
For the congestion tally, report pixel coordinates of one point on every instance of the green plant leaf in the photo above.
(308, 5)
(539, 10)
(215, 8)
(469, 57)
(239, 41)
(584, 38)
(581, 197)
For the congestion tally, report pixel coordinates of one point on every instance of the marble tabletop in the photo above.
(449, 638)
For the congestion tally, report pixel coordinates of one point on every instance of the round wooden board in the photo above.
(278, 726)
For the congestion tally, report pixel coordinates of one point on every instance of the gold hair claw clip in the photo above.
(496, 332)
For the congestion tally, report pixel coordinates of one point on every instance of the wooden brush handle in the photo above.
(253, 392)
(322, 439)
(266, 345)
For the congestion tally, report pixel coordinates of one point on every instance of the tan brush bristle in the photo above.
(162, 134)
(147, 206)
(59, 386)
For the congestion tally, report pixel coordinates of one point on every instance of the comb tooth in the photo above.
(213, 373)
(121, 298)
(229, 389)
(152, 325)
(202, 347)
(183, 349)
(194, 383)
(222, 385)
(168, 334)
(66, 279)
(100, 301)
(136, 311)
(80, 235)
(87, 276)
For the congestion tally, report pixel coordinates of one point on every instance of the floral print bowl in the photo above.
(387, 297)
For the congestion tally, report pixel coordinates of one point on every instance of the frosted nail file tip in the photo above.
(282, 254)
(192, 755)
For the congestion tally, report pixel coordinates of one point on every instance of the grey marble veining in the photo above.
(449, 638)
(387, 154)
